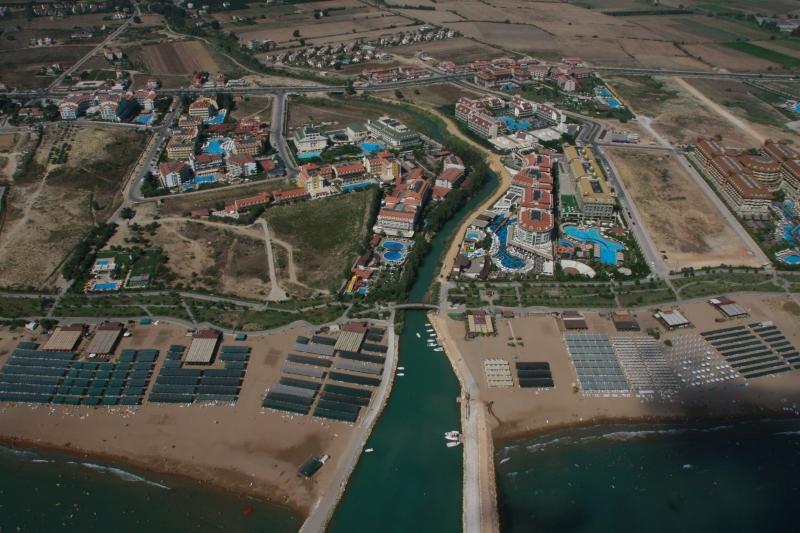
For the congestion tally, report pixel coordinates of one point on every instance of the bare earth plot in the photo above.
(47, 217)
(741, 101)
(677, 114)
(216, 257)
(431, 95)
(18, 68)
(183, 57)
(326, 235)
(684, 224)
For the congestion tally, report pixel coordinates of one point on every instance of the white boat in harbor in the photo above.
(419, 336)
(440, 349)
(400, 374)
(452, 435)
(453, 444)
(401, 368)
(369, 450)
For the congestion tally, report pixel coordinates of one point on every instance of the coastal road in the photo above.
(322, 511)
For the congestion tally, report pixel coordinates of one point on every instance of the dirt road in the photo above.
(721, 111)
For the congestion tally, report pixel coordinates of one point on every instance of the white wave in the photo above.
(41, 461)
(16, 452)
(629, 435)
(123, 474)
(507, 459)
(538, 446)
(789, 433)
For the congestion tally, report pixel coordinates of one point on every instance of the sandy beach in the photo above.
(243, 448)
(515, 412)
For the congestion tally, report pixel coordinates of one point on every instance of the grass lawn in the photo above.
(21, 307)
(327, 234)
(765, 53)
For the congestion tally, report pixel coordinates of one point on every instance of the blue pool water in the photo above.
(474, 235)
(563, 242)
(507, 260)
(394, 246)
(514, 124)
(356, 186)
(362, 291)
(792, 259)
(602, 91)
(109, 286)
(393, 256)
(204, 179)
(371, 147)
(309, 155)
(144, 119)
(214, 146)
(608, 249)
(103, 262)
(219, 118)
(613, 103)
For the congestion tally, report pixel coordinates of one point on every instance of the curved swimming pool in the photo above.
(474, 235)
(371, 147)
(608, 248)
(393, 257)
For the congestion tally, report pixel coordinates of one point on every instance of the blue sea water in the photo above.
(722, 478)
(50, 492)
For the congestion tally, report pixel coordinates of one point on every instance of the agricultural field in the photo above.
(18, 68)
(178, 58)
(326, 235)
(684, 224)
(72, 182)
(767, 54)
(207, 256)
(430, 95)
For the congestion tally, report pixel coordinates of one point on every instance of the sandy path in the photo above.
(721, 111)
(22, 222)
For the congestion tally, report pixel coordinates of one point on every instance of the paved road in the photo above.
(133, 189)
(323, 508)
(113, 35)
(277, 133)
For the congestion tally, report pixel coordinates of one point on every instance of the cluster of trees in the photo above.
(85, 252)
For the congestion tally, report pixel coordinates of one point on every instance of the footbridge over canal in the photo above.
(417, 306)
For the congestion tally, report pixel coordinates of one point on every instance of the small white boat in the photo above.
(419, 336)
(453, 444)
(369, 450)
(440, 349)
(400, 374)
(401, 368)
(452, 435)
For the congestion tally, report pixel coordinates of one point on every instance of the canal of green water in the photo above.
(413, 481)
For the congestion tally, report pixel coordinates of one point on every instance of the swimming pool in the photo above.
(204, 179)
(357, 186)
(613, 103)
(394, 246)
(792, 259)
(608, 248)
(104, 262)
(106, 286)
(474, 235)
(393, 257)
(219, 118)
(602, 91)
(144, 119)
(309, 155)
(214, 146)
(371, 147)
(514, 124)
(568, 244)
(507, 260)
